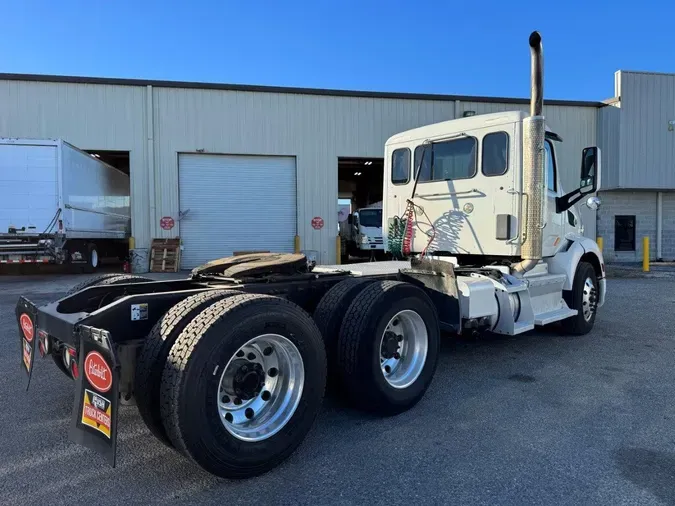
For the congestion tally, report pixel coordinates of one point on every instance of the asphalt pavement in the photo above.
(533, 419)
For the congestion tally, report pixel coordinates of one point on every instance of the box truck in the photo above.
(59, 204)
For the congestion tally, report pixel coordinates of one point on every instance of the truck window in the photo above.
(495, 154)
(400, 166)
(370, 217)
(550, 166)
(449, 160)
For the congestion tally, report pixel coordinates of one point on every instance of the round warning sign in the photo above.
(167, 223)
(317, 223)
(27, 327)
(98, 372)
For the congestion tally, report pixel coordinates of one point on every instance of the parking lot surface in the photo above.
(534, 419)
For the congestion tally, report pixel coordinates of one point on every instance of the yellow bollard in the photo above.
(645, 254)
(600, 243)
(296, 243)
(338, 250)
(132, 243)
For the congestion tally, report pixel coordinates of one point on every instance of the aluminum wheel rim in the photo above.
(281, 383)
(402, 367)
(588, 299)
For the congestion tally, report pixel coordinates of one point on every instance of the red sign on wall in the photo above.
(167, 223)
(317, 223)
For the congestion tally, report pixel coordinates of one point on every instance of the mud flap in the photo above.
(94, 418)
(26, 317)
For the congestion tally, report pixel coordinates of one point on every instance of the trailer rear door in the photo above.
(28, 186)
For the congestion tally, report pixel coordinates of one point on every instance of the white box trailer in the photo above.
(59, 204)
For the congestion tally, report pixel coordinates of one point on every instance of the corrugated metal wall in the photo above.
(609, 118)
(89, 116)
(647, 147)
(315, 129)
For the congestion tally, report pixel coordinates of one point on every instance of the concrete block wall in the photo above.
(641, 204)
(668, 248)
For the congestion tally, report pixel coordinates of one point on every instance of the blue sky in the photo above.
(470, 48)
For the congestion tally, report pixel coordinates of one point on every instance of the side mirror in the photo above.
(589, 182)
(590, 170)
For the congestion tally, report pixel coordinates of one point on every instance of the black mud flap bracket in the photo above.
(26, 317)
(438, 277)
(94, 418)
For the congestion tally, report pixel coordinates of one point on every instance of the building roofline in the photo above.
(281, 89)
(648, 72)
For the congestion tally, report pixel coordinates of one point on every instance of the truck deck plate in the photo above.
(366, 268)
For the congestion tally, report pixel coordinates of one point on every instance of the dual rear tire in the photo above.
(383, 339)
(233, 381)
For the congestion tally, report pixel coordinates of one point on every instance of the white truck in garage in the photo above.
(361, 233)
(59, 204)
(229, 366)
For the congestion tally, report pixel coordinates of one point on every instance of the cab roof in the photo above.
(457, 125)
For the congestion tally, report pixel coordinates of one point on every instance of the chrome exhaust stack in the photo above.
(534, 193)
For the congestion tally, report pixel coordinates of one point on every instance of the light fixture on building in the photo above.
(357, 173)
(466, 114)
(368, 163)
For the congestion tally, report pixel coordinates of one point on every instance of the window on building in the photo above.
(400, 166)
(448, 160)
(495, 154)
(624, 233)
(550, 166)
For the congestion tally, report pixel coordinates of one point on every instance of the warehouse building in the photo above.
(239, 168)
(636, 131)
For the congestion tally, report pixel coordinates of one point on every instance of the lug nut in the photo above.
(397, 355)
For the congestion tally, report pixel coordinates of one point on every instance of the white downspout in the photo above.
(659, 224)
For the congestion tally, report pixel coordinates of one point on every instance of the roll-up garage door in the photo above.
(235, 203)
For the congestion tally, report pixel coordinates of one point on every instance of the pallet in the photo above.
(165, 255)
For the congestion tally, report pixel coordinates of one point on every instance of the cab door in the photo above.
(464, 185)
(553, 229)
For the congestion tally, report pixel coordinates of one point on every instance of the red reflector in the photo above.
(74, 369)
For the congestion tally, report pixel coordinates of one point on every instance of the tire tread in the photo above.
(150, 363)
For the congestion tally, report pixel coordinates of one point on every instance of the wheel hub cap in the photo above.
(403, 349)
(261, 387)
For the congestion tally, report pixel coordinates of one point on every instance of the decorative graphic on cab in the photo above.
(97, 371)
(97, 412)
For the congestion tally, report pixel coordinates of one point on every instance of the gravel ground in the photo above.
(534, 419)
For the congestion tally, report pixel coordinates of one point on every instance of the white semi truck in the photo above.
(230, 365)
(59, 204)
